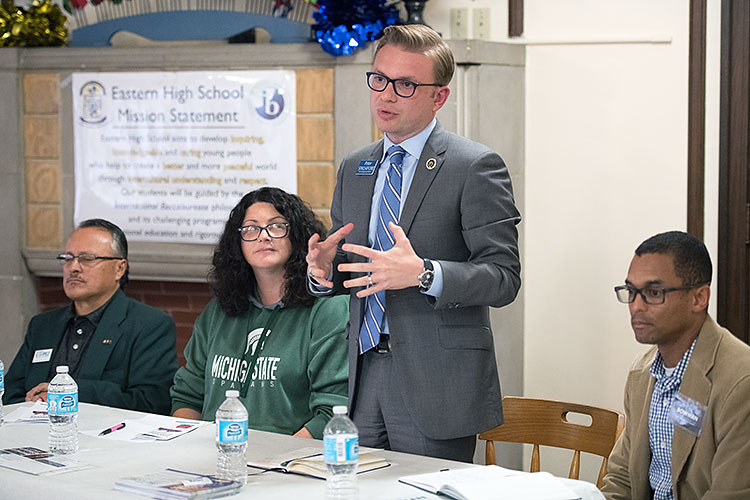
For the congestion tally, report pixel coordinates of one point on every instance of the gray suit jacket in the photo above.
(462, 214)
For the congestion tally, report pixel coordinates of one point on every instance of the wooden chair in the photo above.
(545, 422)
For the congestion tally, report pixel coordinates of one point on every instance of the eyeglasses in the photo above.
(275, 230)
(650, 295)
(84, 259)
(402, 87)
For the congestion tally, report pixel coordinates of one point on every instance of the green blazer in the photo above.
(712, 466)
(129, 363)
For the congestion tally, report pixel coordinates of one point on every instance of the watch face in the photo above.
(425, 279)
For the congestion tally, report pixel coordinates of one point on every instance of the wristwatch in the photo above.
(428, 274)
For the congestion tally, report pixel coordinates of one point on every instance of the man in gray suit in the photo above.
(429, 243)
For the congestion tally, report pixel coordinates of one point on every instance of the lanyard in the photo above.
(258, 349)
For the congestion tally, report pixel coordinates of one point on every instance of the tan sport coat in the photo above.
(715, 465)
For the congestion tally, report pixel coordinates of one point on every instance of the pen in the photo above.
(112, 429)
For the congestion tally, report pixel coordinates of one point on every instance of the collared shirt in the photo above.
(76, 338)
(660, 429)
(413, 147)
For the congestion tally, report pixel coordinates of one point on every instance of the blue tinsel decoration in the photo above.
(345, 26)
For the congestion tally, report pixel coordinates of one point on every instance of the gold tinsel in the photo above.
(43, 25)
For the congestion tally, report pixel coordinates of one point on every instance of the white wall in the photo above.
(437, 13)
(606, 152)
(713, 74)
(606, 167)
(606, 155)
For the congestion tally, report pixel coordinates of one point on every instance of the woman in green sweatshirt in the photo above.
(263, 334)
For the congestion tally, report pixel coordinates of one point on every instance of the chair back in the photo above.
(545, 422)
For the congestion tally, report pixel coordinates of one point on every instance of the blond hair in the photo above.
(422, 39)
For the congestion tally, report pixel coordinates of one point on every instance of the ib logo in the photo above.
(268, 100)
(92, 103)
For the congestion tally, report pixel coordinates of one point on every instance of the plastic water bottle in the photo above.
(341, 453)
(62, 408)
(2, 391)
(231, 438)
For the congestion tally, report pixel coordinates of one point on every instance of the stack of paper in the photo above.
(148, 428)
(173, 484)
(37, 413)
(38, 462)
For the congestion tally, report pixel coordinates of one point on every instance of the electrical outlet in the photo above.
(481, 23)
(460, 24)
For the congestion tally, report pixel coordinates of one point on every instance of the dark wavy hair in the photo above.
(119, 242)
(232, 277)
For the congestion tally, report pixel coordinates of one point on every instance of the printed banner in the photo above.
(166, 156)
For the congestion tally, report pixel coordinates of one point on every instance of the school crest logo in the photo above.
(92, 103)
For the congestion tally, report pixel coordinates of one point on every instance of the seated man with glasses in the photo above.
(120, 352)
(687, 400)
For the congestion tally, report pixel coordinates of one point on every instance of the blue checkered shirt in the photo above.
(660, 429)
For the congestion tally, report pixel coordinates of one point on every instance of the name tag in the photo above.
(42, 356)
(688, 414)
(366, 167)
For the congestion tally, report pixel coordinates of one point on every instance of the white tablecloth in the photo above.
(196, 452)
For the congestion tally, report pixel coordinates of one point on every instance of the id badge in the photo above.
(688, 414)
(366, 167)
(42, 356)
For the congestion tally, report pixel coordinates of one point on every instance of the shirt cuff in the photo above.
(316, 288)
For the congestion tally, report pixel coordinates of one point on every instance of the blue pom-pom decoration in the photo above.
(345, 26)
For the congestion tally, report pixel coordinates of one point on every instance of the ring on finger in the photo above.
(369, 279)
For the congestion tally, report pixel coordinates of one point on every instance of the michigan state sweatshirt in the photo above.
(299, 372)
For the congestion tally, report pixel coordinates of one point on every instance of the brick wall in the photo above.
(182, 301)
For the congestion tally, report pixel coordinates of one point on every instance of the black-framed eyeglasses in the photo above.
(274, 230)
(402, 87)
(84, 259)
(650, 294)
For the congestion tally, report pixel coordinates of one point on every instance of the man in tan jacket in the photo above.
(687, 400)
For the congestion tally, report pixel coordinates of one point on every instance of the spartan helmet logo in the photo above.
(252, 340)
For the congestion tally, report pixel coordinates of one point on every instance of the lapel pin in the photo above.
(431, 163)
(107, 341)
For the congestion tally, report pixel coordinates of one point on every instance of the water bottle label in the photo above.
(2, 379)
(62, 404)
(341, 448)
(231, 431)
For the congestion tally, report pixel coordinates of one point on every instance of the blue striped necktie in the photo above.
(390, 202)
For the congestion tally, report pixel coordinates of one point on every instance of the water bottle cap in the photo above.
(232, 393)
(339, 410)
(62, 369)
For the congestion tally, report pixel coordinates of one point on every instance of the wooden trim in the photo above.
(515, 18)
(733, 270)
(696, 119)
